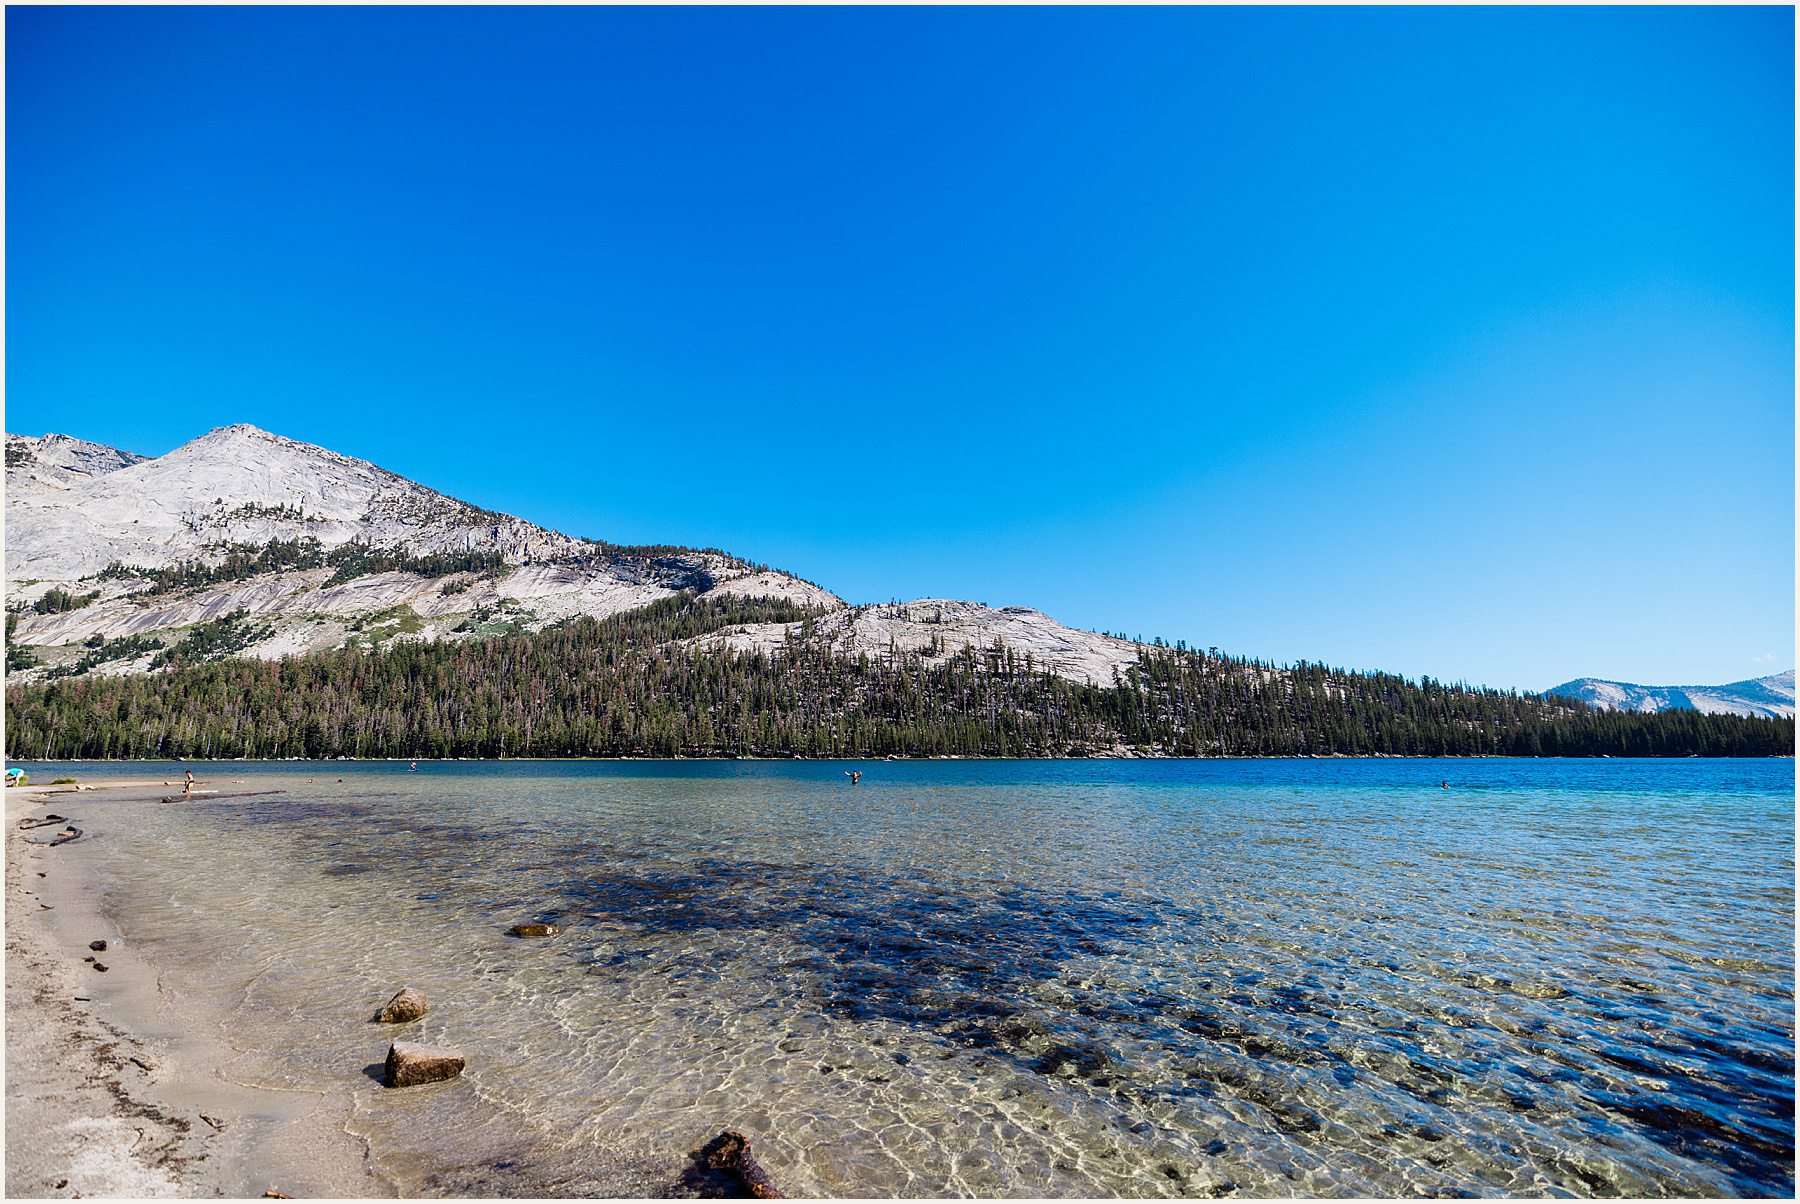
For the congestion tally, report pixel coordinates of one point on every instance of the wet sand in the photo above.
(112, 1087)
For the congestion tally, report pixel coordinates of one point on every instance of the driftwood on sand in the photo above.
(729, 1153)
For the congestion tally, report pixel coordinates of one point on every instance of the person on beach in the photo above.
(187, 784)
(855, 775)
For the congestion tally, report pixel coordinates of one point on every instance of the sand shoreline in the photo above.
(140, 1082)
(114, 1087)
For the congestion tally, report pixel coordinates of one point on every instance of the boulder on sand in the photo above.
(533, 930)
(408, 1005)
(409, 1064)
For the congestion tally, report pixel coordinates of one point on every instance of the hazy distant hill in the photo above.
(1764, 696)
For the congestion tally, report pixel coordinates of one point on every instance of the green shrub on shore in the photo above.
(627, 686)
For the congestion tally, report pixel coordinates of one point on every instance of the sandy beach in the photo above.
(113, 1087)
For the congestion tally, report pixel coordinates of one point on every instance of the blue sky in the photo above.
(1445, 341)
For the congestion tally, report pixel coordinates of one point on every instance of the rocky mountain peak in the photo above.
(316, 549)
(57, 461)
(310, 547)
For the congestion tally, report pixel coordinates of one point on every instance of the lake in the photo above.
(1005, 978)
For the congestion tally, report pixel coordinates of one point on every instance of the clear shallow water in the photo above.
(1011, 978)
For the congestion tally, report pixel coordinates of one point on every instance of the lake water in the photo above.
(1008, 978)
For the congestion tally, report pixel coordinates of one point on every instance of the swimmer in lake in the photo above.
(855, 775)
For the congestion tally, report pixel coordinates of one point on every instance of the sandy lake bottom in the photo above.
(994, 978)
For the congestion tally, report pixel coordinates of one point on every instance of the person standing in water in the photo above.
(187, 788)
(855, 775)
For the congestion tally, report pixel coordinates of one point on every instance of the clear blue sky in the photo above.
(1453, 342)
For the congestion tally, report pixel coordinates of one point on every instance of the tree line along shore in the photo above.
(636, 684)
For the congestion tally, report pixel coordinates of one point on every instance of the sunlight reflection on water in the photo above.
(991, 978)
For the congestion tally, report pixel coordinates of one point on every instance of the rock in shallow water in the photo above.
(1022, 1030)
(409, 1064)
(408, 1005)
(729, 1153)
(533, 930)
(1083, 1058)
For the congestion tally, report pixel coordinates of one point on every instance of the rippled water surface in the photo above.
(1004, 978)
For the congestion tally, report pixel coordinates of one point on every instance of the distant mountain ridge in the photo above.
(406, 622)
(243, 542)
(1771, 696)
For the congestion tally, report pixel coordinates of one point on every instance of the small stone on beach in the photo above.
(406, 1006)
(409, 1064)
(100, 967)
(97, 946)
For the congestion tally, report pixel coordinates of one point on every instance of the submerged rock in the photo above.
(1024, 1031)
(729, 1154)
(533, 930)
(406, 1006)
(1082, 1058)
(409, 1064)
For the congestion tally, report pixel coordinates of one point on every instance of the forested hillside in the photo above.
(633, 685)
